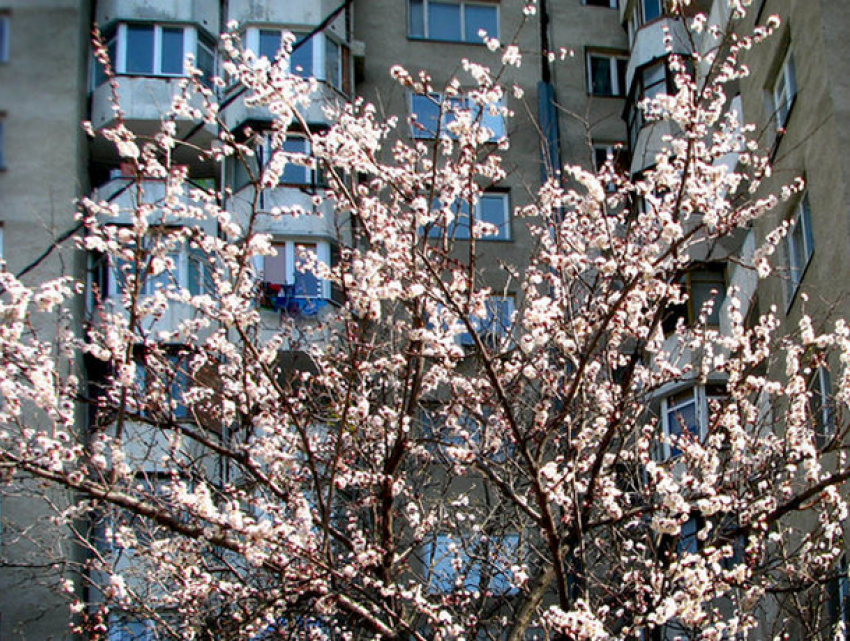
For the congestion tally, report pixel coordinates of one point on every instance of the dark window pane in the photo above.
(295, 174)
(333, 62)
(444, 21)
(416, 18)
(478, 18)
(206, 60)
(139, 49)
(306, 282)
(301, 63)
(622, 66)
(651, 10)
(600, 76)
(172, 52)
(269, 43)
(492, 211)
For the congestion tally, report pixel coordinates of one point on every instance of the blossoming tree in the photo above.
(410, 462)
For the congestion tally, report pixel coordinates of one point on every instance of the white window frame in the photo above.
(487, 327)
(495, 122)
(323, 255)
(192, 43)
(821, 401)
(463, 4)
(641, 9)
(5, 33)
(616, 90)
(784, 90)
(799, 247)
(317, 43)
(677, 400)
(464, 231)
(311, 173)
(179, 276)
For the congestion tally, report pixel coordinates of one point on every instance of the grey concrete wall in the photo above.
(42, 101)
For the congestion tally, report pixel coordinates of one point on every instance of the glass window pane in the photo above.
(600, 76)
(478, 18)
(622, 66)
(269, 43)
(705, 291)
(295, 174)
(651, 10)
(492, 210)
(139, 49)
(206, 60)
(274, 267)
(172, 51)
(444, 21)
(301, 62)
(306, 282)
(333, 61)
(416, 17)
(427, 112)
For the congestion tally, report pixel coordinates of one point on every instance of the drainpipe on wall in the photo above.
(547, 114)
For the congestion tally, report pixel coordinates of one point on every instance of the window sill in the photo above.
(447, 41)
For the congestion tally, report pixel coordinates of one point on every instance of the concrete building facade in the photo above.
(575, 106)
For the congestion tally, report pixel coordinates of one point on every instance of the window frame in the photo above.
(797, 264)
(700, 396)
(493, 328)
(471, 567)
(822, 405)
(318, 44)
(463, 231)
(614, 60)
(437, 100)
(462, 4)
(290, 278)
(784, 89)
(117, 43)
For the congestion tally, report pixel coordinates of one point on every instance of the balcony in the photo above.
(128, 194)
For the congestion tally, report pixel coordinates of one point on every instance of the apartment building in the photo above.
(577, 106)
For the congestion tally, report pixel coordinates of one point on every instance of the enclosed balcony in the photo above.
(127, 194)
(148, 60)
(324, 56)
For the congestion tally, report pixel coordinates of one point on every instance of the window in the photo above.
(122, 630)
(4, 37)
(491, 207)
(452, 20)
(300, 169)
(705, 285)
(650, 82)
(494, 325)
(614, 154)
(821, 406)
(157, 50)
(685, 416)
(799, 247)
(650, 10)
(432, 114)
(2, 141)
(838, 600)
(320, 57)
(613, 4)
(454, 564)
(784, 91)
(606, 74)
(188, 269)
(289, 280)
(170, 377)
